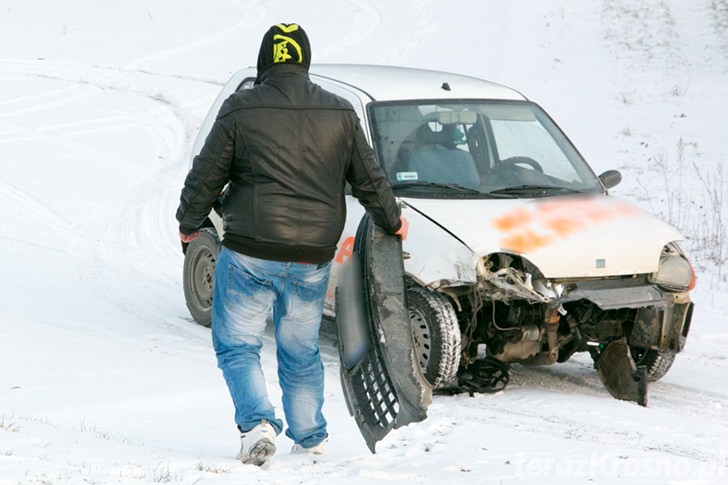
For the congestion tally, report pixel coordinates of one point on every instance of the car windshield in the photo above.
(481, 148)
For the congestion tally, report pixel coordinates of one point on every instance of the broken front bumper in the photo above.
(383, 384)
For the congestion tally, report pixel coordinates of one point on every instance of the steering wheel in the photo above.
(518, 160)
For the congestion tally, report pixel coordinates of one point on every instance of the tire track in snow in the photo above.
(133, 229)
(63, 134)
(136, 231)
(366, 22)
(424, 25)
(142, 216)
(251, 13)
(73, 75)
(176, 148)
(159, 122)
(80, 79)
(28, 206)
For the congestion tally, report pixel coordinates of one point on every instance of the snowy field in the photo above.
(104, 378)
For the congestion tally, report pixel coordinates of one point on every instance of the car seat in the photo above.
(435, 158)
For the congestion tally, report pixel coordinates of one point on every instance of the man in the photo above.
(285, 149)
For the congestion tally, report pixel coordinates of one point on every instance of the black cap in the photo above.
(284, 43)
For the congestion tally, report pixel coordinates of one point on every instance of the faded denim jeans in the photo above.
(247, 290)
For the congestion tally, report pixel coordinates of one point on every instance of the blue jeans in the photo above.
(246, 291)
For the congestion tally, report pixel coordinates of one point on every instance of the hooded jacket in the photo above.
(285, 149)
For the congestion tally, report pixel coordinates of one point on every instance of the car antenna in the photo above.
(445, 86)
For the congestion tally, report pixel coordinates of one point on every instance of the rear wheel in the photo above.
(199, 275)
(436, 335)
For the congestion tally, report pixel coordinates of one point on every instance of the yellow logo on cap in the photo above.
(280, 48)
(288, 28)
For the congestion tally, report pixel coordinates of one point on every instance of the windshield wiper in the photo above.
(419, 183)
(526, 189)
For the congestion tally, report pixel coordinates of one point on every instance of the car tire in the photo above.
(657, 361)
(199, 275)
(436, 335)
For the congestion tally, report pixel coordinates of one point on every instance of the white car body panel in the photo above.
(433, 257)
(385, 83)
(600, 236)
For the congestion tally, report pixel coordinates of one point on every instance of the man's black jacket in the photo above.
(286, 149)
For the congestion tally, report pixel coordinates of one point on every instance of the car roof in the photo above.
(385, 83)
(394, 83)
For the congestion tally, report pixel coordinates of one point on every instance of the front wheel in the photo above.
(436, 335)
(656, 361)
(199, 275)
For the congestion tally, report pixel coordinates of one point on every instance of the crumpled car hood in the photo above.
(565, 237)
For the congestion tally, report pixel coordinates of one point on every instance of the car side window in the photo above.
(246, 83)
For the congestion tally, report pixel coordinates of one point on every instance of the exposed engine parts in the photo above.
(519, 316)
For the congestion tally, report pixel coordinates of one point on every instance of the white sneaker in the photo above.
(314, 450)
(258, 444)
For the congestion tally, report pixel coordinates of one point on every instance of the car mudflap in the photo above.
(620, 375)
(383, 384)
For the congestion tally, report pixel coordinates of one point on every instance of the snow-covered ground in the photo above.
(104, 378)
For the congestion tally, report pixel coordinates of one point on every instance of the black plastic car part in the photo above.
(620, 375)
(382, 381)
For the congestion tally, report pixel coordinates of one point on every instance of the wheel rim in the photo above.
(421, 334)
(202, 278)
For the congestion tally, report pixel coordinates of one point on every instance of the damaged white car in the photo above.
(514, 251)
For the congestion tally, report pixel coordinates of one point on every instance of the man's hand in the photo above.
(188, 238)
(402, 231)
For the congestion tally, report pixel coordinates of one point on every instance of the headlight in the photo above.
(674, 273)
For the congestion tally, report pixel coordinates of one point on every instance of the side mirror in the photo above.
(611, 178)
